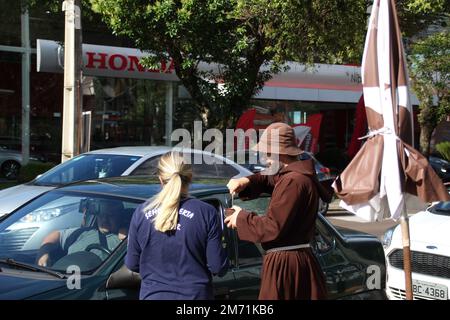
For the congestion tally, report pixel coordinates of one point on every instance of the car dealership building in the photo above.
(131, 105)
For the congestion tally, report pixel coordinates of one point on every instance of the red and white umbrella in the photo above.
(387, 175)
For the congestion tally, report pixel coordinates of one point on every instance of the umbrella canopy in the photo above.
(387, 174)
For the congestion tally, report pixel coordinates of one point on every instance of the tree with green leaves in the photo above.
(248, 39)
(430, 73)
(243, 37)
(425, 25)
(416, 16)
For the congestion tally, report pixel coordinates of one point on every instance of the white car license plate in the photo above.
(430, 290)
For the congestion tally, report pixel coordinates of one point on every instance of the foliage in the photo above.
(416, 16)
(426, 6)
(55, 6)
(444, 149)
(242, 37)
(430, 73)
(249, 39)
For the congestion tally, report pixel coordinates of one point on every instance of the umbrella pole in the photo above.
(406, 255)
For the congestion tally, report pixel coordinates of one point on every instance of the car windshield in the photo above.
(85, 167)
(442, 208)
(60, 230)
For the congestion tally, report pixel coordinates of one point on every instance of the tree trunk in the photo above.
(425, 137)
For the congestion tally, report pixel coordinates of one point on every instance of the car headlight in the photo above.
(387, 237)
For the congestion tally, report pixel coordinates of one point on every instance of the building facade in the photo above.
(131, 105)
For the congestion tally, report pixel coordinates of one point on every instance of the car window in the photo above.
(250, 253)
(204, 171)
(148, 167)
(226, 171)
(207, 168)
(85, 167)
(258, 206)
(82, 230)
(245, 157)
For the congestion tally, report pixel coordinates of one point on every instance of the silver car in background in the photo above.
(11, 162)
(120, 161)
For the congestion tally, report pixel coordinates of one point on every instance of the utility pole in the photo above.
(71, 130)
(25, 36)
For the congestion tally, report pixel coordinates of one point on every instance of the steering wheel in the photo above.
(97, 246)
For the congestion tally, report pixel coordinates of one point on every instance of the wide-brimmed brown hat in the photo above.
(278, 138)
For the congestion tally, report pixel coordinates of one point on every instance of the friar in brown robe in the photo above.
(290, 269)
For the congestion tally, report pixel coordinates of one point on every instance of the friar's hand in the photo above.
(237, 185)
(230, 221)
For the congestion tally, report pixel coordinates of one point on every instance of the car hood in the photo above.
(14, 197)
(430, 227)
(427, 228)
(20, 286)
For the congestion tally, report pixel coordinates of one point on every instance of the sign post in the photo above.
(71, 133)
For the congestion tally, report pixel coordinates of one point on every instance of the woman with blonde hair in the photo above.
(174, 241)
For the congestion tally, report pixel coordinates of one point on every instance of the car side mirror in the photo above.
(124, 278)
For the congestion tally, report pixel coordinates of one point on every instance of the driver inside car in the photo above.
(101, 238)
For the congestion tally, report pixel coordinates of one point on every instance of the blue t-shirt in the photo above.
(177, 264)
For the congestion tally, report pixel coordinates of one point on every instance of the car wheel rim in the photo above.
(11, 170)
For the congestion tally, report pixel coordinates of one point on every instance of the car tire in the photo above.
(323, 207)
(10, 169)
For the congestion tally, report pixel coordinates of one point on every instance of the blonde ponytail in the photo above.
(175, 175)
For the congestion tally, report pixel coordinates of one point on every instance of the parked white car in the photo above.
(430, 255)
(120, 161)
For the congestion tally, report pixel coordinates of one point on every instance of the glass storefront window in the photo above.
(126, 111)
(10, 23)
(10, 100)
(331, 124)
(46, 107)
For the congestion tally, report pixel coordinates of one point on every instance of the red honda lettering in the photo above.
(122, 60)
(93, 59)
(134, 62)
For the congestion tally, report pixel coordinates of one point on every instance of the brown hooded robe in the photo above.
(290, 220)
